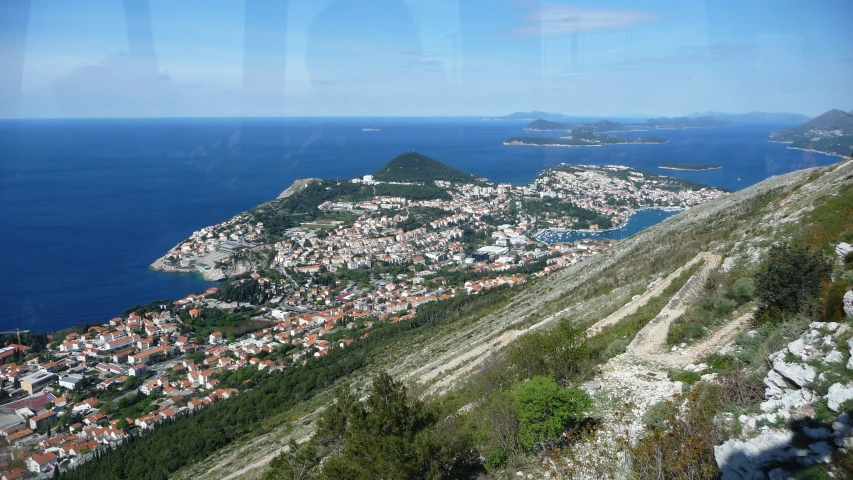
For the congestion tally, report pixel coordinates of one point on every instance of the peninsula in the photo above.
(830, 133)
(690, 167)
(417, 210)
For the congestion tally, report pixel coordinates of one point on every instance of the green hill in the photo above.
(831, 132)
(414, 167)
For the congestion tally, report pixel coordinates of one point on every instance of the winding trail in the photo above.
(463, 364)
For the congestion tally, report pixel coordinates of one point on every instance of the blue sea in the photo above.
(87, 205)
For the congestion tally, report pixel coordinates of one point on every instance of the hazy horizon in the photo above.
(412, 58)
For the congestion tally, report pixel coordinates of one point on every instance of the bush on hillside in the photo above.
(789, 278)
(546, 411)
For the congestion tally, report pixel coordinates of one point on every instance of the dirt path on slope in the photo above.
(632, 307)
(477, 355)
(653, 349)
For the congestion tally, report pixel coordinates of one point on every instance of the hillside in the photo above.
(635, 296)
(602, 126)
(546, 125)
(530, 116)
(414, 167)
(830, 132)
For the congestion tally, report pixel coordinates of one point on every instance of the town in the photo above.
(313, 288)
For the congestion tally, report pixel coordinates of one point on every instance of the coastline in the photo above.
(521, 144)
(691, 169)
(816, 151)
(210, 275)
(602, 230)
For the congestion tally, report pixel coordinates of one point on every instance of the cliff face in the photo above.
(298, 186)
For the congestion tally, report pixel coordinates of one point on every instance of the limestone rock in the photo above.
(822, 450)
(842, 249)
(798, 348)
(837, 395)
(744, 460)
(834, 357)
(848, 303)
(841, 427)
(788, 401)
(775, 384)
(800, 375)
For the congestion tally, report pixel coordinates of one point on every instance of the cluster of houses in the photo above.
(598, 190)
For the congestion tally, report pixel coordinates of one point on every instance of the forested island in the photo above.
(693, 167)
(581, 138)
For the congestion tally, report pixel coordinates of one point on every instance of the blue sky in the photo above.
(94, 58)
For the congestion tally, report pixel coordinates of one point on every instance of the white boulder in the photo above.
(800, 375)
(775, 384)
(788, 401)
(834, 357)
(841, 427)
(848, 303)
(798, 348)
(837, 395)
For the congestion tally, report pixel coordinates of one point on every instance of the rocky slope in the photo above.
(297, 186)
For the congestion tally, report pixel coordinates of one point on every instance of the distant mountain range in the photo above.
(711, 118)
(542, 125)
(755, 117)
(830, 132)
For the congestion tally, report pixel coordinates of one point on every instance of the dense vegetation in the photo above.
(389, 435)
(284, 213)
(556, 208)
(789, 280)
(415, 167)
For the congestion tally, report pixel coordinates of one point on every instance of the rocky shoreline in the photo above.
(211, 275)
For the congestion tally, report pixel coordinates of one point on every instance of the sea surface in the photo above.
(87, 205)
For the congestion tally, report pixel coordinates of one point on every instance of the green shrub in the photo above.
(721, 363)
(789, 278)
(743, 290)
(545, 410)
(684, 376)
(833, 307)
(656, 416)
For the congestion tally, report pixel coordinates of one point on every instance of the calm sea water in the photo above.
(87, 205)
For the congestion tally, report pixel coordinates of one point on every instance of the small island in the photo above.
(691, 167)
(584, 139)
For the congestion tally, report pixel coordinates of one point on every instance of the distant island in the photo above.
(755, 117)
(586, 136)
(694, 120)
(693, 167)
(542, 125)
(686, 122)
(530, 116)
(830, 133)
